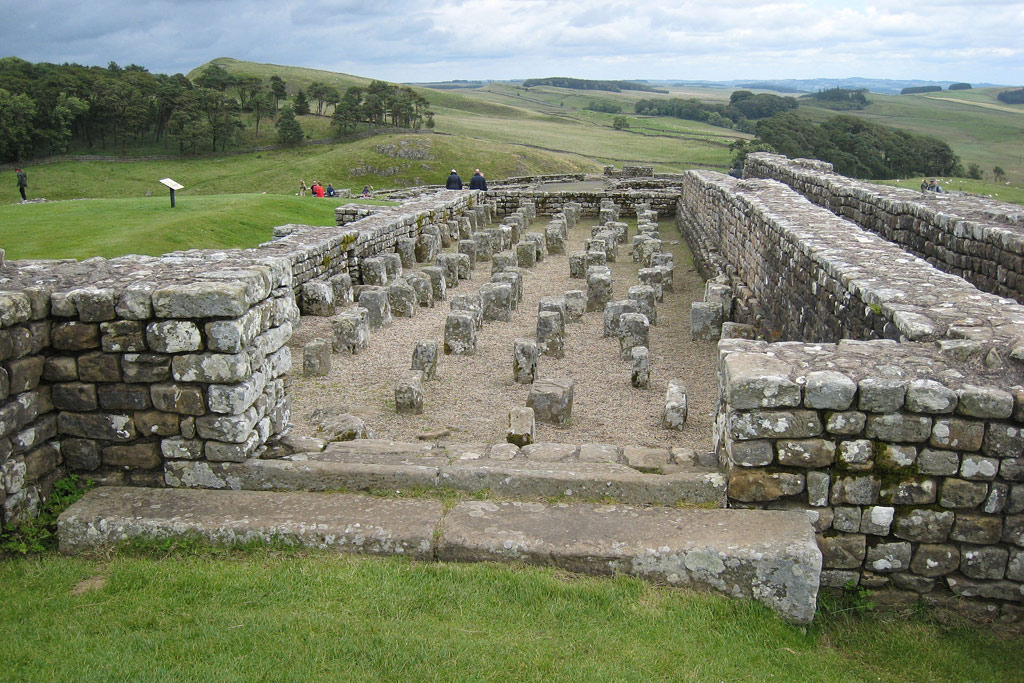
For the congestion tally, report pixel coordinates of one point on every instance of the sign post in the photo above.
(173, 185)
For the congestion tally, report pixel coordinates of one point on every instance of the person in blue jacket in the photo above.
(477, 182)
(454, 181)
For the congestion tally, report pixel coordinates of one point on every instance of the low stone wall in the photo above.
(911, 463)
(976, 238)
(908, 454)
(662, 200)
(117, 368)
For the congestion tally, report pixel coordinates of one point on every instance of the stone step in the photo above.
(769, 556)
(372, 464)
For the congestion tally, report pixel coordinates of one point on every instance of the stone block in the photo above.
(575, 305)
(524, 361)
(551, 400)
(613, 312)
(674, 416)
(705, 321)
(551, 334)
(124, 336)
(318, 298)
(758, 486)
(829, 390)
(929, 396)
(427, 248)
(173, 336)
(409, 393)
(655, 277)
(209, 368)
(809, 453)
(402, 299)
(634, 330)
(183, 399)
(449, 265)
(424, 289)
(470, 303)
(405, 247)
(773, 424)
(468, 247)
(961, 494)
(141, 456)
(123, 396)
(935, 559)
(424, 358)
(983, 402)
(351, 331)
(599, 290)
(888, 557)
(502, 260)
(316, 358)
(646, 300)
(392, 265)
(521, 427)
(526, 254)
(578, 265)
(881, 395)
(497, 301)
(438, 283)
(640, 377)
(459, 334)
(378, 307)
(514, 277)
(756, 380)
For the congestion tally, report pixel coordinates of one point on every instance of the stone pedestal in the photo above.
(351, 331)
(705, 321)
(472, 304)
(521, 427)
(402, 299)
(497, 301)
(424, 358)
(551, 400)
(318, 298)
(409, 393)
(406, 249)
(599, 290)
(449, 265)
(378, 308)
(502, 260)
(578, 264)
(373, 271)
(575, 305)
(392, 265)
(641, 375)
(316, 358)
(437, 282)
(524, 361)
(675, 405)
(551, 333)
(342, 286)
(634, 330)
(459, 334)
(613, 311)
(646, 299)
(423, 287)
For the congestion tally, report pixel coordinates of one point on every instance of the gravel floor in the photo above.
(473, 394)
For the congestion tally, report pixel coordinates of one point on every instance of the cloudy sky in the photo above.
(434, 40)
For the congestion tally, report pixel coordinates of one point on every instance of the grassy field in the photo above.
(196, 614)
(113, 227)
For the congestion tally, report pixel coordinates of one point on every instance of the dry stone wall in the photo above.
(907, 450)
(976, 238)
(124, 369)
(507, 202)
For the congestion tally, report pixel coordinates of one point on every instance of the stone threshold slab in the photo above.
(593, 481)
(769, 556)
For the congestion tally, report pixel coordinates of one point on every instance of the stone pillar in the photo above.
(373, 271)
(316, 358)
(646, 299)
(318, 298)
(675, 405)
(599, 290)
(409, 393)
(705, 321)
(427, 248)
(402, 299)
(351, 331)
(378, 308)
(472, 304)
(497, 300)
(524, 361)
(502, 260)
(613, 311)
(575, 305)
(483, 246)
(655, 277)
(406, 249)
(422, 286)
(514, 278)
(521, 427)
(459, 334)
(551, 333)
(551, 400)
(424, 358)
(634, 330)
(526, 254)
(437, 282)
(641, 376)
(468, 247)
(392, 265)
(449, 265)
(578, 264)
(342, 286)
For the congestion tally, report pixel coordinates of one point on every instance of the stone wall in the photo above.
(976, 238)
(663, 200)
(908, 452)
(130, 369)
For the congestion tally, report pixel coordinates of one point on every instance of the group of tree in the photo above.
(917, 89)
(840, 99)
(859, 148)
(744, 107)
(587, 84)
(604, 107)
(48, 108)
(382, 104)
(1012, 96)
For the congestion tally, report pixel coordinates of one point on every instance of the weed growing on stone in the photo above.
(40, 534)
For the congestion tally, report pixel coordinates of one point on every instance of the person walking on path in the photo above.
(477, 182)
(22, 183)
(454, 181)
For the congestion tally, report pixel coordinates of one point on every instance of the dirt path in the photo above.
(473, 395)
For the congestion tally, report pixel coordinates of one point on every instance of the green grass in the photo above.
(1003, 192)
(191, 614)
(113, 227)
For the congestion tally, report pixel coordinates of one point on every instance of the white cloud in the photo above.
(444, 39)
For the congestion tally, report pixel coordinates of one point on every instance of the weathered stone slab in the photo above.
(767, 556)
(551, 400)
(349, 523)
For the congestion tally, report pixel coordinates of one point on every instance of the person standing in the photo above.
(454, 182)
(22, 183)
(477, 182)
(302, 188)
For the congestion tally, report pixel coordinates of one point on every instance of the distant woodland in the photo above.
(48, 108)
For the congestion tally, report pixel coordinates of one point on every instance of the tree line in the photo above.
(47, 108)
(744, 107)
(587, 84)
(859, 148)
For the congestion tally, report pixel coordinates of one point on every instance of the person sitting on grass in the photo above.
(330, 190)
